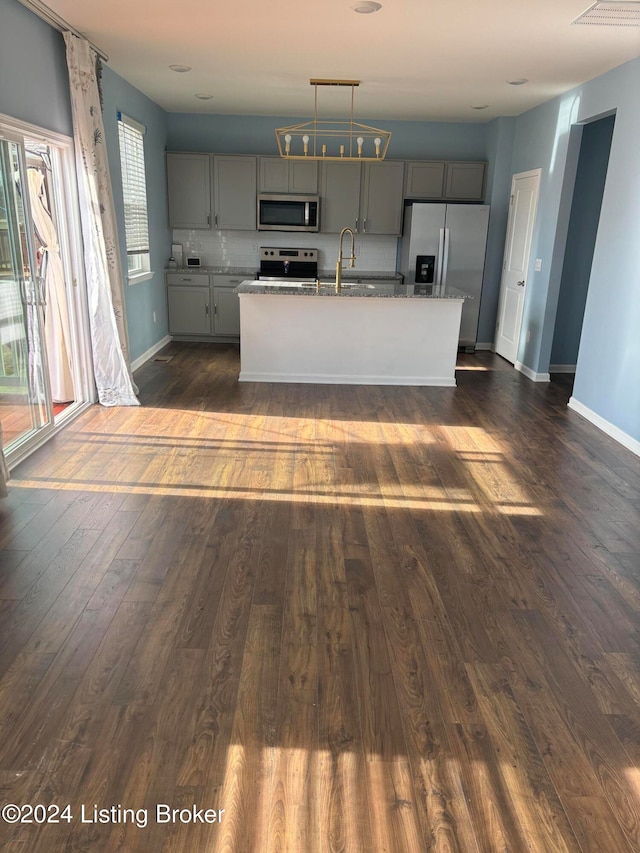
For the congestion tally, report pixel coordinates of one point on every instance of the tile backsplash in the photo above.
(240, 248)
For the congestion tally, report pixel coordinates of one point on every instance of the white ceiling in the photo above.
(417, 59)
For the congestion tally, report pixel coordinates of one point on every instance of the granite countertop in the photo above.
(388, 289)
(246, 272)
(323, 275)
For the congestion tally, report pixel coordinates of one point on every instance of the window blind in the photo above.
(134, 185)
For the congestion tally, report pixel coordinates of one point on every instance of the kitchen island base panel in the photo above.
(348, 340)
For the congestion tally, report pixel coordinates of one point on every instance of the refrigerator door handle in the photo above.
(440, 257)
(445, 262)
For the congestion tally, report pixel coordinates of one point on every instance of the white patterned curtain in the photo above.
(57, 334)
(105, 289)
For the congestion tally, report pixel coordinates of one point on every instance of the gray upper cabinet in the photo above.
(277, 175)
(220, 190)
(234, 192)
(303, 176)
(339, 197)
(425, 179)
(465, 181)
(455, 181)
(273, 175)
(364, 196)
(189, 190)
(381, 204)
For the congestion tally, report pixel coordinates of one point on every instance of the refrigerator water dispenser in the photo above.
(425, 265)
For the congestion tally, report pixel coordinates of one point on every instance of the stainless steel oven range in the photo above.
(298, 264)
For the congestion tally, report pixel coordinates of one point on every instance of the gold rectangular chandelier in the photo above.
(332, 140)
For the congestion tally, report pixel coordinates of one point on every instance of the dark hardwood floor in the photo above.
(354, 618)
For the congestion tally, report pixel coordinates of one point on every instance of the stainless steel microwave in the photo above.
(278, 212)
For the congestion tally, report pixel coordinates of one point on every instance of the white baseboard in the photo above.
(485, 346)
(531, 374)
(606, 426)
(150, 352)
(333, 379)
(562, 368)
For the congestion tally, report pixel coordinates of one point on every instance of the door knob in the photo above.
(520, 283)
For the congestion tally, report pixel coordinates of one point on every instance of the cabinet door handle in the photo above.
(364, 226)
(216, 220)
(357, 220)
(208, 219)
(206, 310)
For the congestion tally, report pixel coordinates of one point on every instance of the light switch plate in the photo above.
(538, 265)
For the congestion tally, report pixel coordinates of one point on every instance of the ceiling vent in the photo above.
(609, 13)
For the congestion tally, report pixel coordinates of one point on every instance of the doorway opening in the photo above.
(584, 217)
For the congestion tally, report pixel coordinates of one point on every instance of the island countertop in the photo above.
(383, 288)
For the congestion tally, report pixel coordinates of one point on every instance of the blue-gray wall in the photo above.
(148, 296)
(606, 379)
(34, 85)
(581, 239)
(421, 140)
(500, 134)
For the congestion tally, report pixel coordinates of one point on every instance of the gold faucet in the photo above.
(351, 258)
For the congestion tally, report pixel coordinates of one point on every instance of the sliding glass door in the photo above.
(45, 362)
(25, 401)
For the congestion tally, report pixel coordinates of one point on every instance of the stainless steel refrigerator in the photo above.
(445, 244)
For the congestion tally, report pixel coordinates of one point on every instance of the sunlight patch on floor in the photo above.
(302, 460)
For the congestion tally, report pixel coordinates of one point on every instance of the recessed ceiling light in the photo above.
(180, 68)
(479, 106)
(203, 97)
(518, 81)
(366, 7)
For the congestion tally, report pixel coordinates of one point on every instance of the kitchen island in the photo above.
(366, 334)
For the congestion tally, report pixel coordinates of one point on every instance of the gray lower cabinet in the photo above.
(189, 309)
(234, 192)
(203, 306)
(226, 305)
(189, 190)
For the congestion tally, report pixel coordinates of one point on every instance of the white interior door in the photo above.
(522, 215)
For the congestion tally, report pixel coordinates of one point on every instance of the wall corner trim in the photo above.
(531, 374)
(606, 426)
(142, 359)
